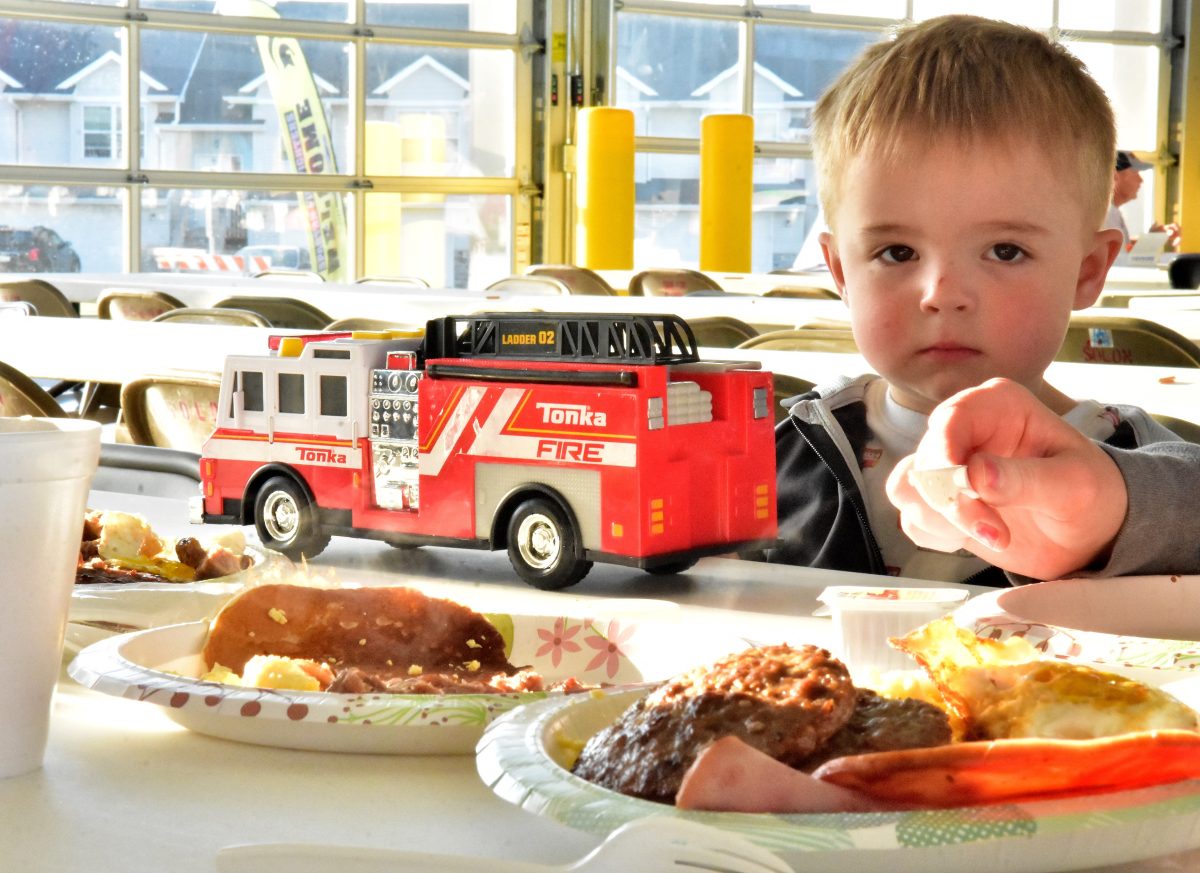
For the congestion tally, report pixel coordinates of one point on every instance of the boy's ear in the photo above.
(1093, 270)
(833, 261)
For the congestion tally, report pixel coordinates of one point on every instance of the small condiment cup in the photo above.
(864, 617)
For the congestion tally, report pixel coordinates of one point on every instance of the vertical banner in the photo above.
(305, 132)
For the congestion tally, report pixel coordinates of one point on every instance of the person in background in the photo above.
(1046, 502)
(965, 168)
(1127, 181)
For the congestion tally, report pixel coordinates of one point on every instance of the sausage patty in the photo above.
(784, 701)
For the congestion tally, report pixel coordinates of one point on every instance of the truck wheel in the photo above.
(670, 569)
(286, 520)
(543, 546)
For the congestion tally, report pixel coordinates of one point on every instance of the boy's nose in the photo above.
(943, 292)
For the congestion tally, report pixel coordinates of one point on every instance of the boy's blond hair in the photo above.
(971, 79)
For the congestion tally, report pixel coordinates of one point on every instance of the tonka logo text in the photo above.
(321, 456)
(571, 413)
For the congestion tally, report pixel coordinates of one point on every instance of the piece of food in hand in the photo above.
(964, 774)
(781, 700)
(941, 486)
(1001, 690)
(387, 633)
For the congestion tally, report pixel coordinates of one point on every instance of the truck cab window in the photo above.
(291, 393)
(252, 391)
(333, 395)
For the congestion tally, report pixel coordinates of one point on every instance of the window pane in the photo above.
(90, 222)
(785, 213)
(440, 111)
(673, 70)
(1031, 13)
(1135, 15)
(327, 10)
(1129, 74)
(252, 391)
(50, 75)
(860, 8)
(230, 231)
(794, 66)
(209, 104)
(333, 395)
(450, 241)
(291, 393)
(497, 16)
(666, 224)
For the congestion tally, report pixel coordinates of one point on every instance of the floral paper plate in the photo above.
(522, 757)
(160, 666)
(1146, 627)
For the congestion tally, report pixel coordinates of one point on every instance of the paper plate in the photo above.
(522, 755)
(159, 666)
(103, 609)
(1145, 627)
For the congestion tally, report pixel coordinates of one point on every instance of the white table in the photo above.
(126, 790)
(417, 305)
(117, 351)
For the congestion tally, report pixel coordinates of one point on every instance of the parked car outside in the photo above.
(36, 250)
(275, 257)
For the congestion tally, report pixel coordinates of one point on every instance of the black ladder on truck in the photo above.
(554, 336)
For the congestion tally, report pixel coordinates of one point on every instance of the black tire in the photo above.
(286, 520)
(544, 547)
(673, 567)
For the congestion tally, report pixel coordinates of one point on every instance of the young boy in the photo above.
(965, 169)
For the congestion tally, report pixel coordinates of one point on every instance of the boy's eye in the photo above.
(1007, 252)
(897, 254)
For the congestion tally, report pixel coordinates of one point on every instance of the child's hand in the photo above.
(1044, 500)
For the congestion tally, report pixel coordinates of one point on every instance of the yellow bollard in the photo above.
(726, 192)
(604, 189)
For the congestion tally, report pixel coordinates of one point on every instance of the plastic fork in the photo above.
(658, 843)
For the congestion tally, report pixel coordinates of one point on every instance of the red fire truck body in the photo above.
(507, 437)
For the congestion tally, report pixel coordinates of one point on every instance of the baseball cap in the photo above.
(1125, 160)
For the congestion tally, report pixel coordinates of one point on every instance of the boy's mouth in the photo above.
(948, 351)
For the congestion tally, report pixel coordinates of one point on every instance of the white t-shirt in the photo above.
(897, 430)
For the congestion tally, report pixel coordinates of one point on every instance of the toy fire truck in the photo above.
(563, 438)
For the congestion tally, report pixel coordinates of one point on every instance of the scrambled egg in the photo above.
(1001, 690)
(273, 671)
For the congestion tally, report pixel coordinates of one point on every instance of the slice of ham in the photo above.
(732, 776)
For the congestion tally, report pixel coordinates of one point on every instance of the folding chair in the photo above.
(675, 282)
(280, 311)
(178, 411)
(579, 280)
(44, 297)
(1126, 340)
(787, 386)
(355, 322)
(721, 331)
(804, 339)
(202, 315)
(532, 285)
(406, 281)
(20, 395)
(135, 304)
